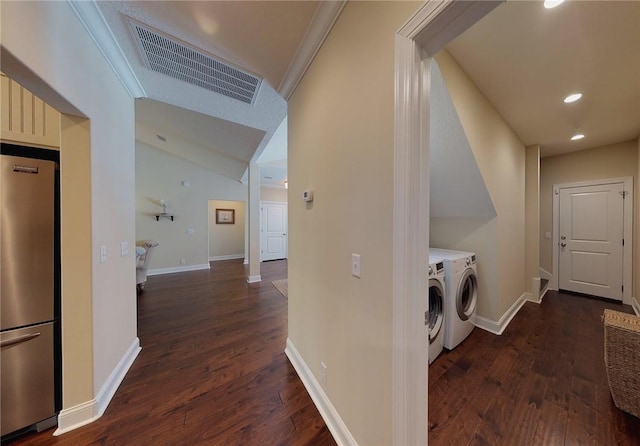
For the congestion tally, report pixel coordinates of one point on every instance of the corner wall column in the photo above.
(254, 223)
(532, 219)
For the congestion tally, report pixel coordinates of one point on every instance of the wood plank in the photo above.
(212, 369)
(542, 382)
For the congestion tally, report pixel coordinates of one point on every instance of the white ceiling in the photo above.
(526, 59)
(274, 40)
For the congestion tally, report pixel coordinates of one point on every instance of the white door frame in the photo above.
(627, 261)
(262, 234)
(432, 27)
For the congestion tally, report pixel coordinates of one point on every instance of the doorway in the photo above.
(273, 231)
(592, 237)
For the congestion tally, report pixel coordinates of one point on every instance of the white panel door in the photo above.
(273, 231)
(591, 233)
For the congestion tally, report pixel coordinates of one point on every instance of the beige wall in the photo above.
(160, 175)
(46, 49)
(276, 194)
(614, 161)
(478, 235)
(226, 240)
(636, 231)
(501, 159)
(341, 140)
(532, 216)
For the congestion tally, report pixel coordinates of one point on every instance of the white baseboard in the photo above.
(499, 326)
(177, 269)
(254, 279)
(544, 292)
(76, 416)
(89, 411)
(117, 375)
(227, 257)
(635, 305)
(329, 414)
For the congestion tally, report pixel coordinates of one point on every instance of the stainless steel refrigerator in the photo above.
(27, 286)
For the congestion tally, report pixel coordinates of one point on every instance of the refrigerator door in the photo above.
(26, 241)
(26, 365)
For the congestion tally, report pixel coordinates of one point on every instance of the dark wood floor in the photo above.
(211, 371)
(543, 382)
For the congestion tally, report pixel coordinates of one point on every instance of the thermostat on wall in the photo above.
(307, 195)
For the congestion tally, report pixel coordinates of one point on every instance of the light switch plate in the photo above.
(124, 249)
(355, 265)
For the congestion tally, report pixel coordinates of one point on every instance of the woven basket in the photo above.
(622, 359)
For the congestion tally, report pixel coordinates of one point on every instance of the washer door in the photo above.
(467, 295)
(436, 308)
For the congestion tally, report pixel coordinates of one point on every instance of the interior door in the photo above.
(591, 233)
(273, 231)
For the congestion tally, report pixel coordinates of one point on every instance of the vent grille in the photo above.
(168, 56)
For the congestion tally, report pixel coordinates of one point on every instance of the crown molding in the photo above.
(94, 22)
(318, 30)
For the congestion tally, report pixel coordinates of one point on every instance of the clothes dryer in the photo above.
(461, 299)
(437, 293)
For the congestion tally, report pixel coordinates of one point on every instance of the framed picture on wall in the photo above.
(225, 216)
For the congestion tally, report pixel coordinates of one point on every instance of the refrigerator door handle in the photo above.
(18, 340)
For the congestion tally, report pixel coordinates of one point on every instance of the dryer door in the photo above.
(436, 308)
(467, 295)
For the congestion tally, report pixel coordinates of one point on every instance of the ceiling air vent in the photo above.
(167, 55)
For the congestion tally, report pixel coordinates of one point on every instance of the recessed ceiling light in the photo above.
(577, 137)
(552, 3)
(572, 98)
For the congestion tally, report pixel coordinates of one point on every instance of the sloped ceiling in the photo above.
(456, 185)
(274, 40)
(234, 140)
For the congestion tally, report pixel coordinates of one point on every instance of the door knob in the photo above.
(563, 244)
(563, 237)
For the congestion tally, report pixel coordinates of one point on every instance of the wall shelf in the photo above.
(163, 215)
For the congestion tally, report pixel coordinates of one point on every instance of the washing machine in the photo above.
(461, 298)
(436, 307)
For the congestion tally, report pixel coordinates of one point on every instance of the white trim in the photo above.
(87, 412)
(96, 26)
(544, 293)
(321, 23)
(116, 376)
(273, 186)
(284, 203)
(446, 20)
(635, 305)
(227, 257)
(254, 279)
(410, 242)
(178, 269)
(76, 416)
(627, 249)
(328, 412)
(499, 327)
